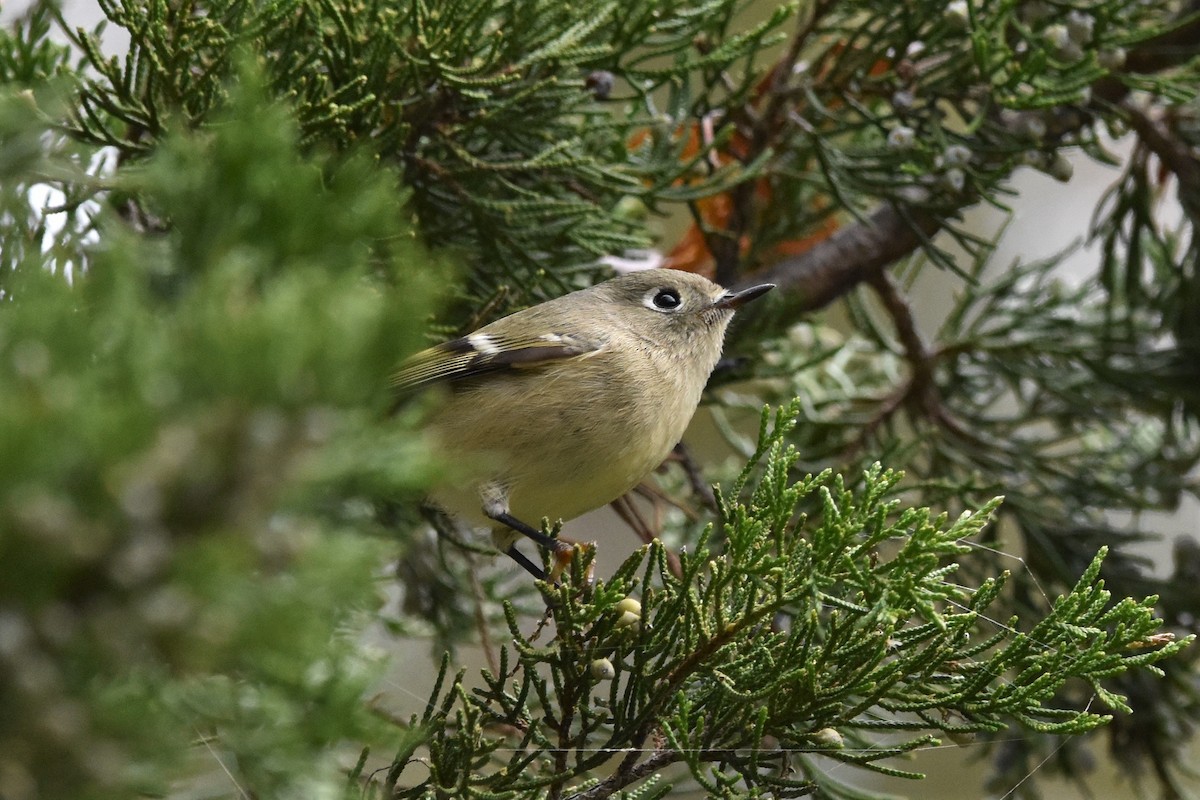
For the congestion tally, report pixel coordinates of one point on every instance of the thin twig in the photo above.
(915, 349)
(770, 121)
(654, 494)
(627, 775)
(631, 516)
(481, 622)
(628, 511)
(700, 487)
(921, 390)
(1176, 157)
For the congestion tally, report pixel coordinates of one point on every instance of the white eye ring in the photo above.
(664, 299)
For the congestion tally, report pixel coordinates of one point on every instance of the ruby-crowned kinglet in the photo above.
(566, 406)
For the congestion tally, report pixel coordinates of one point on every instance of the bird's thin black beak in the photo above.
(738, 299)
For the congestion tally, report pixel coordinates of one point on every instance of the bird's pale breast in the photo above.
(590, 431)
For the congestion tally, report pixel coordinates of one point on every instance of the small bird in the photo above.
(565, 406)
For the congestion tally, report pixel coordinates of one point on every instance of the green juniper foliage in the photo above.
(169, 428)
(489, 111)
(216, 245)
(784, 638)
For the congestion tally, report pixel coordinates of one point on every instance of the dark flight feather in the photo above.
(484, 353)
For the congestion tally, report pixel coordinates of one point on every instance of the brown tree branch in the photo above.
(858, 251)
(854, 254)
(1174, 154)
(1176, 46)
(915, 350)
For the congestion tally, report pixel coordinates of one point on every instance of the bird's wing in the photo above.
(481, 353)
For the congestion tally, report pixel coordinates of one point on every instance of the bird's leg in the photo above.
(525, 529)
(561, 550)
(494, 495)
(527, 565)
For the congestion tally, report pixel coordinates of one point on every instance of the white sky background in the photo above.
(84, 14)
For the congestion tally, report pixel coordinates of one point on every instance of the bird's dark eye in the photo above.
(666, 299)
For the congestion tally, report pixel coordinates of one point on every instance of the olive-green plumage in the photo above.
(565, 406)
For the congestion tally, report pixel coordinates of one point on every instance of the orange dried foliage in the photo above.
(691, 252)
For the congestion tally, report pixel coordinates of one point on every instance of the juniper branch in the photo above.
(864, 248)
(849, 257)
